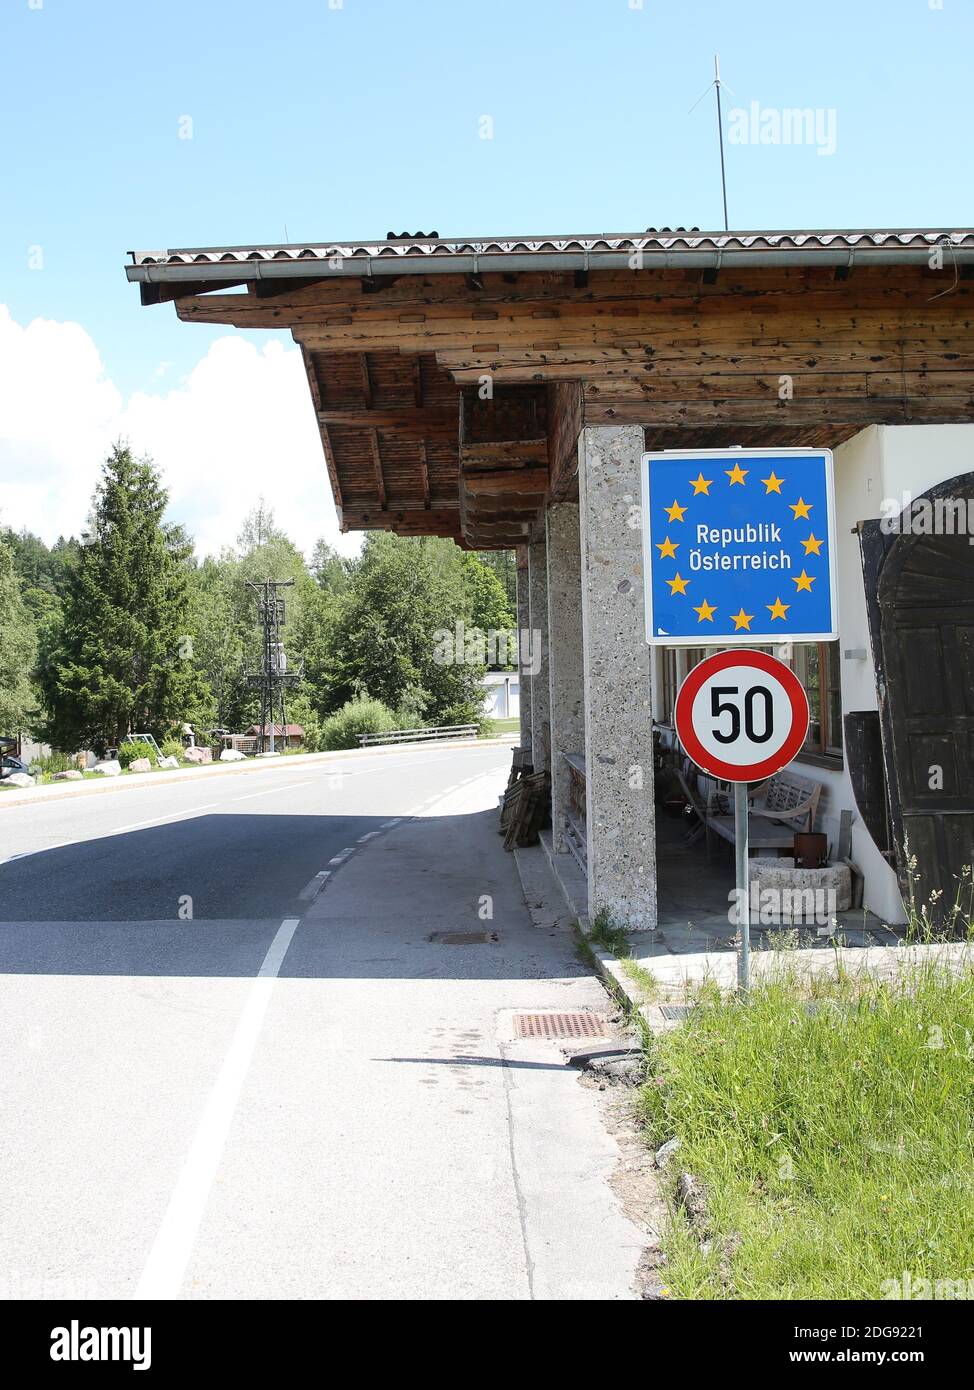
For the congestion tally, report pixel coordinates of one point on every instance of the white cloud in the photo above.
(239, 425)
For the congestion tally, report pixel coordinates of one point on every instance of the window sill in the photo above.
(833, 761)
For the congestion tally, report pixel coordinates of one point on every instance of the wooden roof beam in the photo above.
(432, 422)
(437, 520)
(515, 482)
(424, 471)
(763, 415)
(380, 482)
(366, 380)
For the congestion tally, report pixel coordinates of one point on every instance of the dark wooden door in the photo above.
(923, 617)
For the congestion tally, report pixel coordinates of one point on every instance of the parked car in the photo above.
(9, 765)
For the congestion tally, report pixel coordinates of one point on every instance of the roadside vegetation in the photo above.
(830, 1125)
(126, 630)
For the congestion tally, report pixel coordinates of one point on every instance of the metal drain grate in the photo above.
(559, 1026)
(676, 1013)
(464, 938)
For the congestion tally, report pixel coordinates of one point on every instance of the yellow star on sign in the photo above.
(804, 581)
(777, 609)
(813, 546)
(667, 550)
(772, 484)
(676, 512)
(706, 611)
(801, 508)
(678, 585)
(701, 484)
(742, 620)
(737, 474)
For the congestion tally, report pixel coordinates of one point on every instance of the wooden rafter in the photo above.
(366, 380)
(424, 472)
(380, 482)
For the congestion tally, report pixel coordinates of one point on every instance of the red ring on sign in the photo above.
(736, 772)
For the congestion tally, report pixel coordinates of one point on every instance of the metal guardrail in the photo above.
(418, 735)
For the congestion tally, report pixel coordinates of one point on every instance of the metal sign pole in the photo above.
(743, 888)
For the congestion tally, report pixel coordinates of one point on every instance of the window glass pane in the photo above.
(834, 698)
(808, 672)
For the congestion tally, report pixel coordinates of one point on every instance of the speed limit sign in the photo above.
(742, 715)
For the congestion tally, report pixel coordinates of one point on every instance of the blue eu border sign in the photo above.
(739, 547)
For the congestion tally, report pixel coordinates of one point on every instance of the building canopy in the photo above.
(451, 378)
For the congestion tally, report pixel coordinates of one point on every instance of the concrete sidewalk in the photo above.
(411, 1146)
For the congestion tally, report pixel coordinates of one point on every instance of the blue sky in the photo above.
(353, 121)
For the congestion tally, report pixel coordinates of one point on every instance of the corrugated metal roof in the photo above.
(652, 242)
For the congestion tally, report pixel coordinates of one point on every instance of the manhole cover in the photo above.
(559, 1026)
(463, 938)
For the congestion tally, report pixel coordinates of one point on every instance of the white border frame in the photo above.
(746, 639)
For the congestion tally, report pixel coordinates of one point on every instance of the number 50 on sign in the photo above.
(742, 715)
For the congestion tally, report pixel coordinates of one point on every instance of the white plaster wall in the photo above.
(882, 461)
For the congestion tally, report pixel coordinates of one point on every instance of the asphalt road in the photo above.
(239, 1061)
(237, 847)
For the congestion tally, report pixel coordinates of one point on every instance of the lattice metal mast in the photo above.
(273, 678)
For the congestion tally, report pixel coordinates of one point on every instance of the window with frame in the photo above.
(816, 665)
(678, 662)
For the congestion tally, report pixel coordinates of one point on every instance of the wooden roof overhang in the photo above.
(449, 399)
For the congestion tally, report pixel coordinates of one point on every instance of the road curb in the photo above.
(549, 903)
(30, 796)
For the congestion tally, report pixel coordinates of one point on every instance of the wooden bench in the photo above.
(786, 803)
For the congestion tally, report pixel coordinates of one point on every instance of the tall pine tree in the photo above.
(18, 644)
(122, 662)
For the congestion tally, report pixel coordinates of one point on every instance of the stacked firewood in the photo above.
(526, 804)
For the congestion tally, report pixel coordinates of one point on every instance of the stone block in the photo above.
(780, 892)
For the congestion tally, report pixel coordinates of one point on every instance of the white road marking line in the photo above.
(138, 825)
(172, 1248)
(268, 791)
(311, 890)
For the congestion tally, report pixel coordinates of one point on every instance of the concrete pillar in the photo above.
(617, 677)
(523, 647)
(540, 694)
(565, 682)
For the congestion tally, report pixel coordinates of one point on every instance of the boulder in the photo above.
(171, 761)
(73, 775)
(140, 765)
(111, 768)
(232, 755)
(18, 779)
(198, 755)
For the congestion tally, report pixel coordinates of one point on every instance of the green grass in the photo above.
(644, 980)
(832, 1127)
(501, 726)
(609, 934)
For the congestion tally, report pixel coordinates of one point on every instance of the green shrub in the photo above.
(341, 729)
(172, 748)
(128, 752)
(53, 762)
(300, 711)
